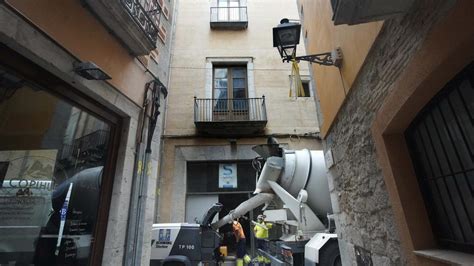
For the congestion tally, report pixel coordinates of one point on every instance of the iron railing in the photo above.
(442, 148)
(147, 14)
(228, 14)
(85, 145)
(228, 110)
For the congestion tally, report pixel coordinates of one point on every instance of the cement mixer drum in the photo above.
(305, 169)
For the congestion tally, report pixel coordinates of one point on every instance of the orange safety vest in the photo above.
(238, 231)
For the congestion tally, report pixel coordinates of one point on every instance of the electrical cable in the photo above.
(254, 69)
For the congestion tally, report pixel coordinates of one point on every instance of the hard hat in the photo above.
(261, 217)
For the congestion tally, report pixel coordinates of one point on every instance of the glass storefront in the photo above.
(52, 158)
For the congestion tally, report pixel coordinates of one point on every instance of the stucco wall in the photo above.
(30, 42)
(195, 42)
(78, 31)
(364, 216)
(321, 35)
(172, 188)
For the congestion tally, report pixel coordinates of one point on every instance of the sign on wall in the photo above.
(227, 175)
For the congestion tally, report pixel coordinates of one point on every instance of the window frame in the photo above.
(230, 85)
(308, 82)
(440, 149)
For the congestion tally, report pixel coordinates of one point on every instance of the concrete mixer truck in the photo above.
(292, 186)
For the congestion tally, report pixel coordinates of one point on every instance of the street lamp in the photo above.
(286, 36)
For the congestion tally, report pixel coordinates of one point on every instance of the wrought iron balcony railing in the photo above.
(85, 151)
(147, 14)
(230, 110)
(229, 17)
(85, 143)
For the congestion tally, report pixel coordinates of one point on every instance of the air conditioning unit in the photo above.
(362, 11)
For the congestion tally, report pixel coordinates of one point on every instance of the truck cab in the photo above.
(185, 243)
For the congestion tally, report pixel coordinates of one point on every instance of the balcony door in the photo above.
(230, 93)
(228, 10)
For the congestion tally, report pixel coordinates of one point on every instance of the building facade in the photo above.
(228, 92)
(72, 145)
(397, 119)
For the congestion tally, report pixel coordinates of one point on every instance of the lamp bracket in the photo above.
(333, 58)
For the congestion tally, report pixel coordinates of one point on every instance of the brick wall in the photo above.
(364, 218)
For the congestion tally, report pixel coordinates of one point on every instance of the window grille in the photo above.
(441, 143)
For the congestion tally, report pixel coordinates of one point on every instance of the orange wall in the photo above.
(333, 84)
(76, 29)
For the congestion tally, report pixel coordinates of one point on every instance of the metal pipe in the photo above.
(243, 208)
(136, 222)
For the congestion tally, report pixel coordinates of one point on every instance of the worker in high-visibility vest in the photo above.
(241, 244)
(261, 233)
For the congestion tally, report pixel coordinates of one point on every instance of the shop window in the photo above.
(441, 142)
(52, 159)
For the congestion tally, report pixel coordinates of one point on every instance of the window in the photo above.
(441, 143)
(162, 33)
(228, 14)
(228, 10)
(53, 156)
(230, 90)
(306, 89)
(166, 12)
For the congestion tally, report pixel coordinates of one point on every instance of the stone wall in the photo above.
(367, 231)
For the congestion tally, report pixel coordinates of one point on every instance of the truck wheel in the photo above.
(330, 255)
(176, 260)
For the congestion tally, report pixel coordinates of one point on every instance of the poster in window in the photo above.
(27, 187)
(227, 175)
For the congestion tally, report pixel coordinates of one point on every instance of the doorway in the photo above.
(197, 206)
(230, 202)
(230, 93)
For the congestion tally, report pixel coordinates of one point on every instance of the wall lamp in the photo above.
(90, 71)
(286, 36)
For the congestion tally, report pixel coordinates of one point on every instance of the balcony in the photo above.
(134, 22)
(85, 151)
(230, 117)
(233, 18)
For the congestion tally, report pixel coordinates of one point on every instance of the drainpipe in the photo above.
(142, 172)
(162, 142)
